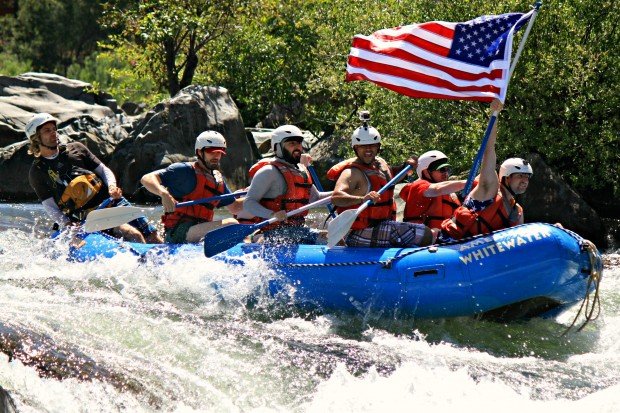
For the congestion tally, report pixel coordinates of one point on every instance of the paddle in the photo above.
(101, 219)
(317, 184)
(339, 226)
(223, 238)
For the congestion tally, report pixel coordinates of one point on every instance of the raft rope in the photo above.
(388, 263)
(588, 307)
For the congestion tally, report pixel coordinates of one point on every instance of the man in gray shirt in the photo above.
(279, 185)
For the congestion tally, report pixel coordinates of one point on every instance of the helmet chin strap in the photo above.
(508, 187)
(430, 177)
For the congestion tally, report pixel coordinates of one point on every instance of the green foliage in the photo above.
(272, 70)
(171, 35)
(113, 71)
(564, 99)
(10, 65)
(53, 34)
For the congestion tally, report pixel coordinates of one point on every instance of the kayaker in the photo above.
(358, 180)
(281, 184)
(491, 205)
(70, 180)
(189, 181)
(431, 198)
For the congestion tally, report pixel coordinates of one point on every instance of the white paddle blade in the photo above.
(101, 219)
(338, 227)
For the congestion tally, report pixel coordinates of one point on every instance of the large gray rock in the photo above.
(550, 199)
(14, 166)
(30, 93)
(167, 134)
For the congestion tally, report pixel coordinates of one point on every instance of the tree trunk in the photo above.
(171, 70)
(190, 69)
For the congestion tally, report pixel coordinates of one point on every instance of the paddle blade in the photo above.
(339, 226)
(101, 219)
(221, 239)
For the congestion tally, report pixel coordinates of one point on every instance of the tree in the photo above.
(268, 61)
(53, 34)
(172, 35)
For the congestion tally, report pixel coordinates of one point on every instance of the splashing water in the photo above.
(185, 333)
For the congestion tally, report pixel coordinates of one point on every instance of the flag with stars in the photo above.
(439, 60)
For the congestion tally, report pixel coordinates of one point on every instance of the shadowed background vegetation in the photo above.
(291, 55)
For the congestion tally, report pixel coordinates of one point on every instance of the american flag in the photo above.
(440, 60)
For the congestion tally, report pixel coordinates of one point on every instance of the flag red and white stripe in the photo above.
(439, 60)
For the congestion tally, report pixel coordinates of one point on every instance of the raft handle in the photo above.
(425, 272)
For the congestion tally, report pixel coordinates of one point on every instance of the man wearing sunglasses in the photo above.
(431, 198)
(184, 181)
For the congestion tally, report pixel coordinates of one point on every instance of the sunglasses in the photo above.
(444, 170)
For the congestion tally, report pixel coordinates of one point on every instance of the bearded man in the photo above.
(189, 181)
(281, 184)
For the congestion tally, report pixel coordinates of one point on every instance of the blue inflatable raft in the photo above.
(518, 272)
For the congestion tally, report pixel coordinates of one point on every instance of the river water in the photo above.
(193, 335)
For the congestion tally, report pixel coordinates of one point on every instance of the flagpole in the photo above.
(522, 43)
(487, 133)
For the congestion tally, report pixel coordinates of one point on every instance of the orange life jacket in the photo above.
(207, 185)
(466, 223)
(440, 208)
(298, 188)
(378, 175)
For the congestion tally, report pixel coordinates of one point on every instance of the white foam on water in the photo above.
(199, 335)
(412, 387)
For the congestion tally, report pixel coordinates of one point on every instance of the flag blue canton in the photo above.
(483, 40)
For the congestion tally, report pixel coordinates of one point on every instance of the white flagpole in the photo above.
(522, 43)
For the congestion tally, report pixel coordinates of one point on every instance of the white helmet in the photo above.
(38, 120)
(365, 135)
(428, 158)
(210, 139)
(514, 166)
(284, 132)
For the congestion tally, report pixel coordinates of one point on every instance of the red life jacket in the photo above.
(378, 174)
(298, 188)
(207, 185)
(440, 208)
(466, 223)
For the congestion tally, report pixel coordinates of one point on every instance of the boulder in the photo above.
(167, 133)
(550, 199)
(30, 93)
(133, 109)
(14, 166)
